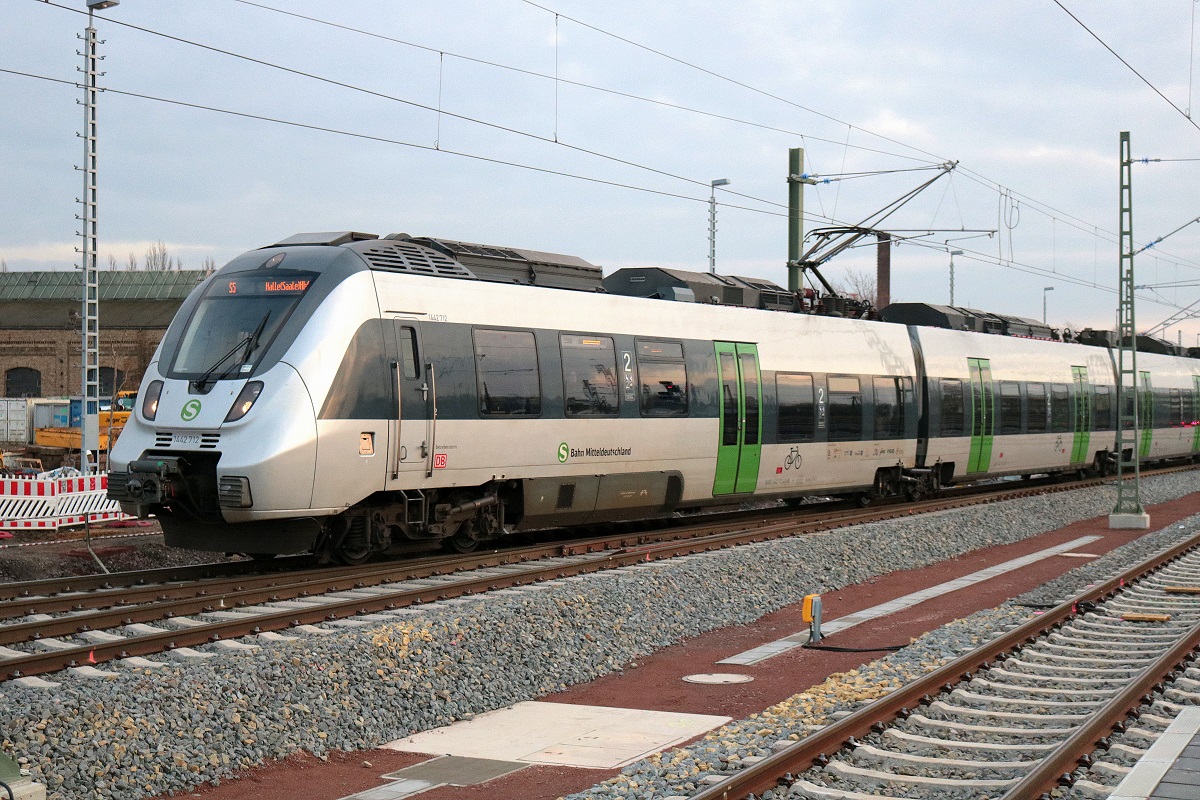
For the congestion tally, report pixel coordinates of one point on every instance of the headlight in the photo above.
(150, 400)
(245, 401)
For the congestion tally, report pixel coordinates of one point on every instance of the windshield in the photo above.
(236, 320)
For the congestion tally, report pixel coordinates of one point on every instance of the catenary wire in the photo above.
(570, 82)
(402, 143)
(968, 255)
(411, 103)
(1002, 262)
(1142, 77)
(983, 180)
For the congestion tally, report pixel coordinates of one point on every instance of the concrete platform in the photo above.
(1170, 769)
(562, 734)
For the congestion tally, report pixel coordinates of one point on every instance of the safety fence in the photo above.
(53, 503)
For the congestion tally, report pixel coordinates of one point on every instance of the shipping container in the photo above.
(54, 413)
(14, 420)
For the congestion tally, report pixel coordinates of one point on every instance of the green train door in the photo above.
(740, 450)
(1195, 413)
(1146, 416)
(1083, 416)
(982, 415)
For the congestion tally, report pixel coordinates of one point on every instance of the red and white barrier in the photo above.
(53, 503)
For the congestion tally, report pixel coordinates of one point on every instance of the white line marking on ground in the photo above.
(763, 652)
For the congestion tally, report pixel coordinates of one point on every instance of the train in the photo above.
(345, 394)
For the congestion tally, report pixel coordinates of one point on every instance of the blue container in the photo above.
(76, 414)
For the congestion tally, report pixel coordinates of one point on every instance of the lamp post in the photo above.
(953, 253)
(1044, 291)
(712, 224)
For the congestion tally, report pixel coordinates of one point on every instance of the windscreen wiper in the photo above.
(202, 381)
(252, 344)
(249, 342)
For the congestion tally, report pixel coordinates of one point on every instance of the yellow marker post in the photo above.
(810, 612)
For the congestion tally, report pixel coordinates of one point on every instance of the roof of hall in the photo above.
(60, 285)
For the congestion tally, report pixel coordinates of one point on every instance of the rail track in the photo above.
(1069, 699)
(50, 625)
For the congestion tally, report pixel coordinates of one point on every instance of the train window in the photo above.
(1060, 408)
(1102, 408)
(664, 389)
(663, 378)
(1036, 403)
(1010, 407)
(729, 399)
(506, 367)
(589, 365)
(749, 365)
(953, 421)
(797, 411)
(1174, 408)
(845, 409)
(889, 408)
(1161, 408)
(407, 339)
(671, 351)
(1188, 401)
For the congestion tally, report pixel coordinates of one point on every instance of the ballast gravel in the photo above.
(164, 730)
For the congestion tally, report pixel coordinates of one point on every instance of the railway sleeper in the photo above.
(1066, 679)
(1034, 720)
(1092, 646)
(1082, 661)
(1024, 734)
(1085, 789)
(1025, 690)
(1123, 673)
(900, 762)
(1015, 702)
(812, 791)
(876, 779)
(918, 742)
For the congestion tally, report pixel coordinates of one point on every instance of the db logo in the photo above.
(439, 460)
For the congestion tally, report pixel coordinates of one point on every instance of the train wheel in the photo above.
(355, 547)
(464, 540)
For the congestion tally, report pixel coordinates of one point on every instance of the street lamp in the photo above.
(953, 253)
(1046, 289)
(712, 224)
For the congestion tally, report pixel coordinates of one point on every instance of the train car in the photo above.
(343, 394)
(1002, 405)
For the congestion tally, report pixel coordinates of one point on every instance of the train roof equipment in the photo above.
(699, 287)
(447, 258)
(965, 319)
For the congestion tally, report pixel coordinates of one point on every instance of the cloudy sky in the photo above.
(279, 124)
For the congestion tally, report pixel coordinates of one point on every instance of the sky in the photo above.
(596, 129)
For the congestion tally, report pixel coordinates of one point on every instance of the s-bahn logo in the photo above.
(564, 452)
(191, 410)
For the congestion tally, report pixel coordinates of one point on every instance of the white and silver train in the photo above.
(343, 394)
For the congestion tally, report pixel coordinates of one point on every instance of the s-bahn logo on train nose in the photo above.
(191, 410)
(563, 453)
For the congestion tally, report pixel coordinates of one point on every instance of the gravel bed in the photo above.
(146, 732)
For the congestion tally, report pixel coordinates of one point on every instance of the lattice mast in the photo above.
(1129, 499)
(90, 311)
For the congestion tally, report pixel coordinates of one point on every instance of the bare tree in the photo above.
(112, 263)
(132, 262)
(210, 266)
(158, 259)
(3, 265)
(859, 283)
